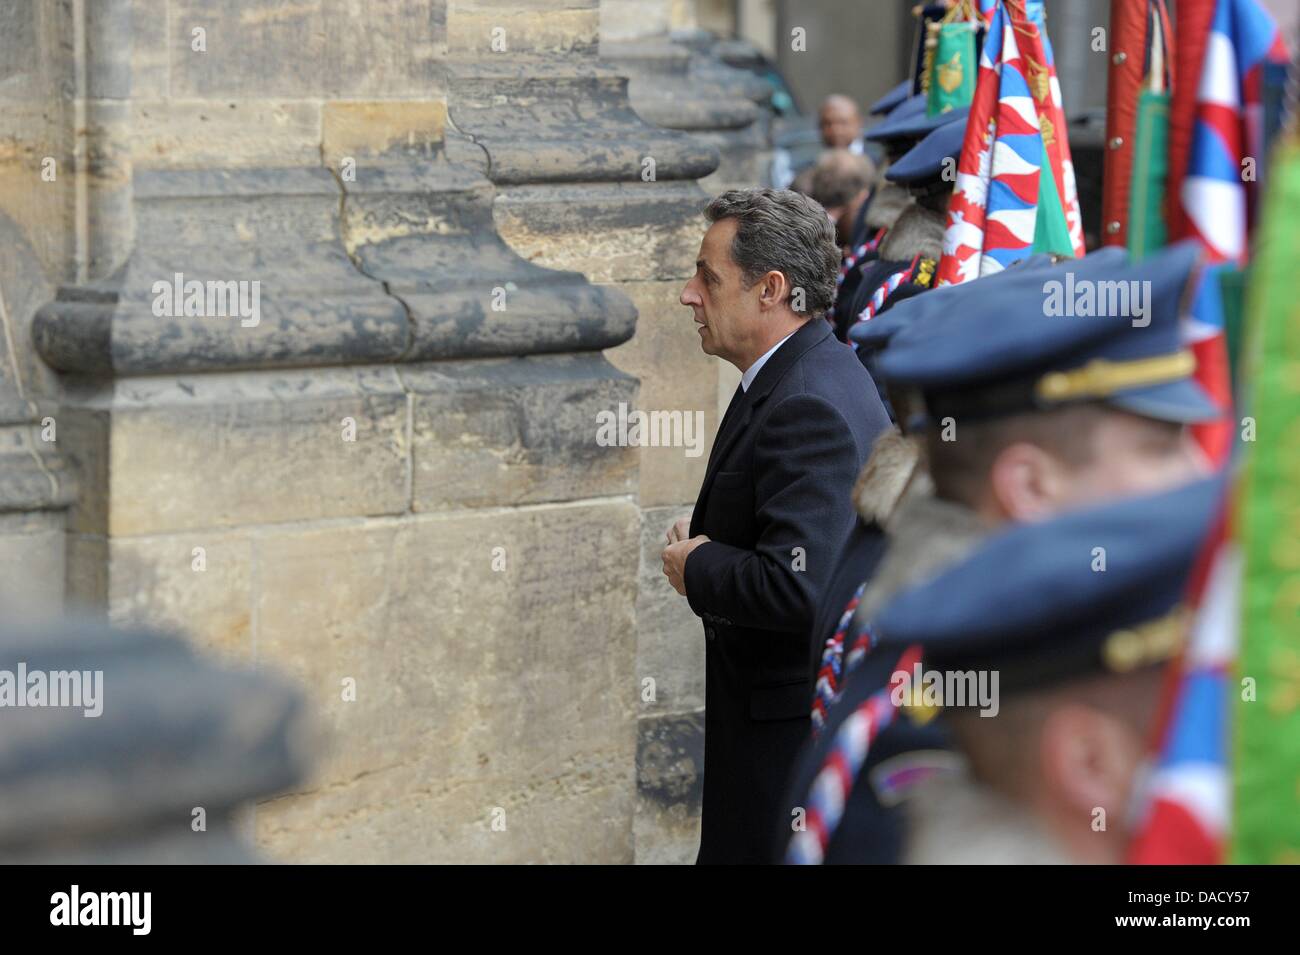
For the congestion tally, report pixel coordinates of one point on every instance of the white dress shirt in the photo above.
(752, 371)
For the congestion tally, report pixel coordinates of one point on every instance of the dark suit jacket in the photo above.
(776, 504)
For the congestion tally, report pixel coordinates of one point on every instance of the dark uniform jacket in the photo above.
(777, 506)
(924, 535)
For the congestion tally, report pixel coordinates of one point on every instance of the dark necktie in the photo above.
(732, 410)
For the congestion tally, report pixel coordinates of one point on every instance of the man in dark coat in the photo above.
(775, 508)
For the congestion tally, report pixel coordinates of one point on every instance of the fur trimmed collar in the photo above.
(954, 820)
(926, 535)
(917, 231)
(887, 205)
(892, 466)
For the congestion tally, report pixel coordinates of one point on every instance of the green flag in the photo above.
(1232, 295)
(1266, 784)
(1146, 214)
(953, 65)
(1051, 233)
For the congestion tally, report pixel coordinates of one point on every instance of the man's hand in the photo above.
(674, 557)
(680, 530)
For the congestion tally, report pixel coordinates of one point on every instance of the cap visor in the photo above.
(891, 99)
(1182, 402)
(867, 336)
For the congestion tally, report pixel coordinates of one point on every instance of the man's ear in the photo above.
(1026, 482)
(772, 289)
(1089, 759)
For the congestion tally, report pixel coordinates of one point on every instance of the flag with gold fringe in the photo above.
(1139, 77)
(1015, 192)
(1145, 221)
(1060, 222)
(951, 59)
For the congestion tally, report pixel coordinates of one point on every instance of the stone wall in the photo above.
(384, 481)
(38, 241)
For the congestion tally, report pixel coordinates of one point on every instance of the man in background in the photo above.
(841, 183)
(839, 124)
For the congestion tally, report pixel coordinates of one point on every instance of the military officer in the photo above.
(1025, 415)
(1045, 671)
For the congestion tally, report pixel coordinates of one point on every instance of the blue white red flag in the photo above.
(1217, 193)
(1186, 802)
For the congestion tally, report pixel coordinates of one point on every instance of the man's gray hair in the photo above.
(839, 176)
(779, 230)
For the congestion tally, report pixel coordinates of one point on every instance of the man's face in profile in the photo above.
(1134, 455)
(1112, 454)
(1066, 753)
(723, 308)
(839, 122)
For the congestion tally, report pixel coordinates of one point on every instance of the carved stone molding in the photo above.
(402, 264)
(563, 120)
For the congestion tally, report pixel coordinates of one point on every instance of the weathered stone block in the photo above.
(678, 81)
(322, 48)
(24, 287)
(516, 431)
(35, 476)
(475, 689)
(488, 29)
(556, 120)
(87, 574)
(33, 211)
(745, 159)
(200, 583)
(264, 246)
(425, 230)
(371, 129)
(31, 565)
(675, 376)
(670, 638)
(19, 39)
(221, 450)
(151, 50)
(611, 232)
(199, 133)
(627, 19)
(670, 781)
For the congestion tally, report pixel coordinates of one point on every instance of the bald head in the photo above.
(839, 120)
